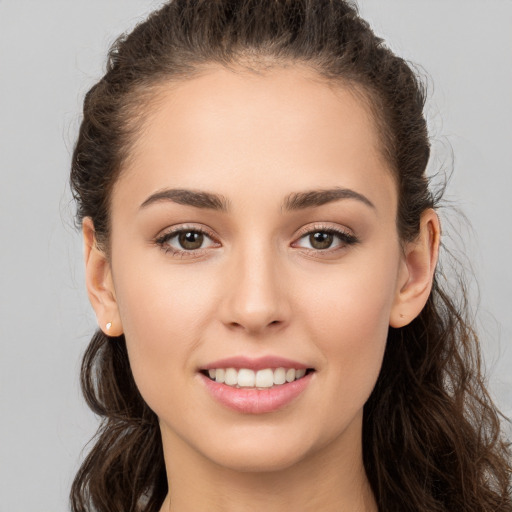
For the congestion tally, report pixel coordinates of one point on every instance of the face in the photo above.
(253, 229)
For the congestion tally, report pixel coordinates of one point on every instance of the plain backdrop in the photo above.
(52, 51)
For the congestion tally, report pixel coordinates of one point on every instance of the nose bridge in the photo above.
(255, 298)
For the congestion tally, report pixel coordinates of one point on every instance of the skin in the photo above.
(258, 287)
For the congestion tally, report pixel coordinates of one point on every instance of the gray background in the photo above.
(51, 52)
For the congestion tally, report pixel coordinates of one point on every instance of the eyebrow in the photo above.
(312, 198)
(293, 202)
(196, 198)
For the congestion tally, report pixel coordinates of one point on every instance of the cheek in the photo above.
(354, 300)
(158, 303)
(163, 314)
(348, 318)
(352, 335)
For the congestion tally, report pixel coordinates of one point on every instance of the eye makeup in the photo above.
(324, 242)
(187, 237)
(194, 241)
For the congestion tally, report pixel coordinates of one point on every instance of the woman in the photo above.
(261, 248)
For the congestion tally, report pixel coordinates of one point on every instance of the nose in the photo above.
(254, 299)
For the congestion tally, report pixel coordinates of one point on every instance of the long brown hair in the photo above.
(431, 434)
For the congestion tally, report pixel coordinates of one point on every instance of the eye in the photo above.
(189, 240)
(323, 238)
(185, 240)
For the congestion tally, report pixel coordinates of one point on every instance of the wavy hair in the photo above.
(431, 433)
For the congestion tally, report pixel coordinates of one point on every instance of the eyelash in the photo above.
(346, 238)
(162, 241)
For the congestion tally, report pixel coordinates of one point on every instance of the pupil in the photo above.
(320, 240)
(191, 240)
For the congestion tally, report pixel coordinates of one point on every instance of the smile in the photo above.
(265, 378)
(258, 386)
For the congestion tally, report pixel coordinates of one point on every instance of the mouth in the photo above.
(258, 385)
(263, 379)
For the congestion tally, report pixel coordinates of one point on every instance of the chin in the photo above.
(259, 460)
(264, 451)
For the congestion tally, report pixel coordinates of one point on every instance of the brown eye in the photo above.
(321, 240)
(190, 240)
(185, 241)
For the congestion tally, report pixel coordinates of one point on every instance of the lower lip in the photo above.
(256, 401)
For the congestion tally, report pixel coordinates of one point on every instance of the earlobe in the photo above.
(100, 287)
(417, 271)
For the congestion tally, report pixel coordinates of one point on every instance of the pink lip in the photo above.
(255, 364)
(256, 401)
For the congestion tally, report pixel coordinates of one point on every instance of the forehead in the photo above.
(226, 130)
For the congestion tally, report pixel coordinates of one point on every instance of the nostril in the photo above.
(255, 325)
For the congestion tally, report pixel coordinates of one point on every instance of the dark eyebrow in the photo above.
(196, 198)
(312, 198)
(293, 202)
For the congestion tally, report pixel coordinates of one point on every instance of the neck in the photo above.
(331, 480)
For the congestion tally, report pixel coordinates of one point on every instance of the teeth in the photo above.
(231, 377)
(279, 376)
(264, 378)
(245, 378)
(219, 375)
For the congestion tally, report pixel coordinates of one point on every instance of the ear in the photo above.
(416, 272)
(100, 286)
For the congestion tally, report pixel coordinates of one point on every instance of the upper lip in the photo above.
(258, 363)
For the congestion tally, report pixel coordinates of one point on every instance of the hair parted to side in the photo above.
(431, 434)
